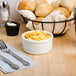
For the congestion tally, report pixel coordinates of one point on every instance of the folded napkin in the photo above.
(4, 67)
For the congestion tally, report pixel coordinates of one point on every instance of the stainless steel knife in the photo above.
(25, 63)
(11, 64)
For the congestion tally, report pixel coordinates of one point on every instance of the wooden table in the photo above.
(60, 61)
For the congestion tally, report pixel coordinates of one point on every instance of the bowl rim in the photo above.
(51, 38)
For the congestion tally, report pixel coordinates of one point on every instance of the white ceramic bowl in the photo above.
(37, 47)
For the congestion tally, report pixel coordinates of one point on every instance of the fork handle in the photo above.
(11, 64)
(26, 63)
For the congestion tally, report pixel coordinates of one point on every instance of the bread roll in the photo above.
(40, 1)
(56, 4)
(27, 5)
(38, 19)
(68, 4)
(43, 10)
(64, 11)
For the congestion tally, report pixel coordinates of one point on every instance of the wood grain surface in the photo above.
(60, 61)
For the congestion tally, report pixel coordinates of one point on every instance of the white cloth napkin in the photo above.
(4, 67)
(54, 16)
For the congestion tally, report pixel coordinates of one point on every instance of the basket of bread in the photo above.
(56, 16)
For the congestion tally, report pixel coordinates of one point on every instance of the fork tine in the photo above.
(2, 44)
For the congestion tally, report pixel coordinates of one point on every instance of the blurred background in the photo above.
(13, 12)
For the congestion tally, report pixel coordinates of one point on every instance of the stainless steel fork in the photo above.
(5, 49)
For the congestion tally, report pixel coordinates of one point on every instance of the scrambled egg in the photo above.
(37, 35)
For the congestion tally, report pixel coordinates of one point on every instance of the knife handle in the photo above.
(25, 63)
(11, 64)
